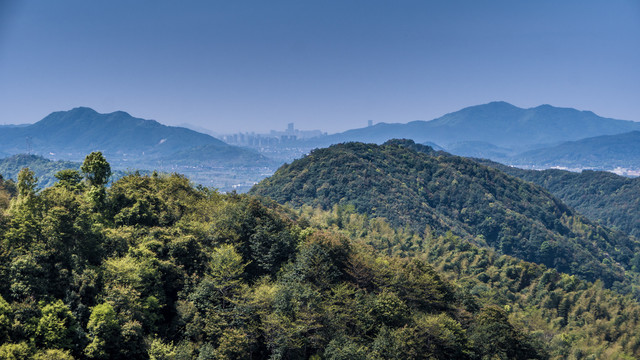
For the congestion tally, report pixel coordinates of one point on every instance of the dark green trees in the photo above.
(159, 269)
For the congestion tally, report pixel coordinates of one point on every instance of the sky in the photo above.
(239, 66)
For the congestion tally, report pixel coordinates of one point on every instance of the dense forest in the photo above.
(610, 199)
(411, 185)
(566, 317)
(154, 267)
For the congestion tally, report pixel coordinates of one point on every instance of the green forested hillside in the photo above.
(567, 317)
(154, 268)
(610, 199)
(449, 193)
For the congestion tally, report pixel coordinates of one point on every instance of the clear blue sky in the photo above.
(331, 65)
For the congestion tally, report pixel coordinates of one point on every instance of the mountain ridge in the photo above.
(413, 186)
(602, 196)
(498, 123)
(71, 134)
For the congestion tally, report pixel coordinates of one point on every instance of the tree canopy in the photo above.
(164, 269)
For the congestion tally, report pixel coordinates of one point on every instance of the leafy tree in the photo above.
(226, 269)
(53, 354)
(69, 179)
(27, 183)
(494, 337)
(20, 351)
(343, 348)
(27, 277)
(104, 333)
(96, 169)
(56, 327)
(233, 345)
(5, 320)
(159, 350)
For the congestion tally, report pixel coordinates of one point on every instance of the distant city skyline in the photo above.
(256, 66)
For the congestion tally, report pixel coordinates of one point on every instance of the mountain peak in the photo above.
(81, 110)
(499, 104)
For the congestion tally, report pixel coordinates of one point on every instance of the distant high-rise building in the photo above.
(370, 122)
(290, 128)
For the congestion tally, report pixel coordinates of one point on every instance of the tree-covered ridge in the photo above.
(43, 168)
(610, 199)
(445, 192)
(568, 317)
(155, 268)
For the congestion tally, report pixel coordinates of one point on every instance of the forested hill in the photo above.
(43, 168)
(449, 193)
(610, 199)
(155, 268)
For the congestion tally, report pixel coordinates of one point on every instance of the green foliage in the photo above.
(104, 333)
(55, 329)
(165, 270)
(159, 350)
(428, 337)
(7, 191)
(412, 186)
(549, 304)
(604, 197)
(97, 171)
(69, 179)
(20, 351)
(495, 338)
(5, 320)
(43, 169)
(27, 183)
(53, 354)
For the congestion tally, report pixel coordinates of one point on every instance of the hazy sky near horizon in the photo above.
(332, 65)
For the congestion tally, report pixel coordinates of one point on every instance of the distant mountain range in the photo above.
(131, 143)
(71, 135)
(498, 123)
(506, 133)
